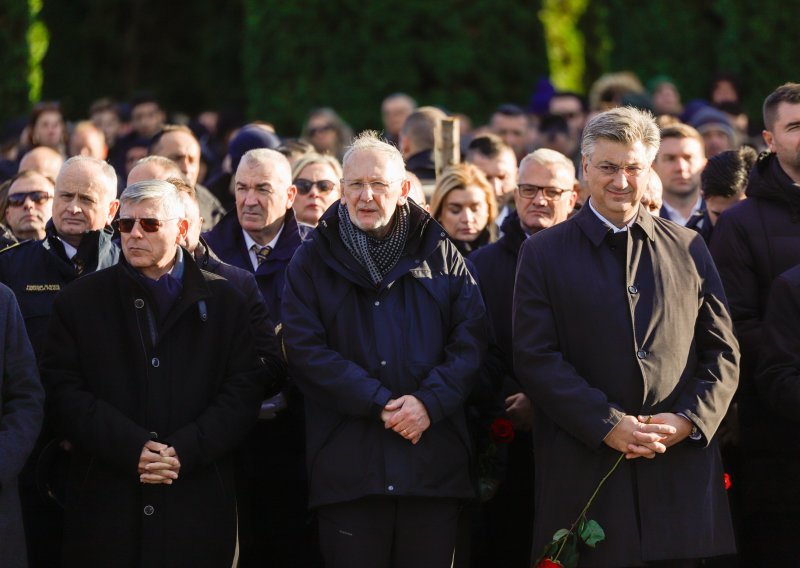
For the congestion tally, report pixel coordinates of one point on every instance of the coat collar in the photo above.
(595, 230)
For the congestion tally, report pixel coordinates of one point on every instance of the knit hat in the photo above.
(709, 118)
(249, 138)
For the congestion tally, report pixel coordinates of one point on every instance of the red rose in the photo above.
(502, 431)
(727, 479)
(547, 563)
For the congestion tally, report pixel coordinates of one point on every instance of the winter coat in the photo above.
(21, 413)
(603, 329)
(117, 376)
(352, 346)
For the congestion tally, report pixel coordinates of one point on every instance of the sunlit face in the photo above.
(538, 212)
(28, 219)
(184, 150)
(263, 192)
(784, 138)
(501, 171)
(83, 201)
(370, 211)
(88, 142)
(108, 122)
(679, 163)
(616, 196)
(152, 254)
(465, 213)
(309, 207)
(716, 205)
(49, 129)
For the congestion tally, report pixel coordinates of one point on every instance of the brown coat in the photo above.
(600, 333)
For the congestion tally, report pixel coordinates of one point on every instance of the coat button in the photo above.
(139, 303)
(377, 303)
(390, 488)
(149, 510)
(641, 354)
(155, 362)
(633, 289)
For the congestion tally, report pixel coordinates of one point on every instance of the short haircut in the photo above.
(157, 190)
(30, 173)
(624, 125)
(109, 176)
(258, 156)
(462, 176)
(572, 95)
(370, 140)
(315, 158)
(509, 109)
(786, 93)
(5, 188)
(419, 127)
(165, 163)
(166, 129)
(183, 187)
(681, 130)
(143, 98)
(726, 174)
(103, 105)
(487, 145)
(295, 147)
(87, 125)
(548, 157)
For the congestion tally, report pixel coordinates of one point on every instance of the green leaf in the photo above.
(560, 533)
(569, 555)
(592, 533)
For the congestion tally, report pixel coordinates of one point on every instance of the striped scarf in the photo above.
(378, 256)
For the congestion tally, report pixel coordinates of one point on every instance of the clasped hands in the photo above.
(646, 436)
(407, 416)
(158, 463)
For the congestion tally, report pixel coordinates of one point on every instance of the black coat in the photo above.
(754, 241)
(116, 377)
(21, 412)
(602, 330)
(227, 242)
(37, 270)
(352, 346)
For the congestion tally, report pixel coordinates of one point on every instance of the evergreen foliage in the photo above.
(15, 20)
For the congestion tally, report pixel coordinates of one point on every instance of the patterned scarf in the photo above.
(378, 256)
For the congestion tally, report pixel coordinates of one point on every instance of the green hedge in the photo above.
(15, 20)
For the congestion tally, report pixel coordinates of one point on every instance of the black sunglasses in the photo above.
(320, 129)
(148, 225)
(38, 197)
(304, 185)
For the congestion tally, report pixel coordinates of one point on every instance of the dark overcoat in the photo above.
(352, 346)
(600, 333)
(21, 413)
(117, 376)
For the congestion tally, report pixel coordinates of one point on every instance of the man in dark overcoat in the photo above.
(21, 412)
(624, 343)
(384, 331)
(151, 371)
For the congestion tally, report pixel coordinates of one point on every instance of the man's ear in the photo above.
(113, 207)
(405, 188)
(768, 139)
(292, 193)
(183, 228)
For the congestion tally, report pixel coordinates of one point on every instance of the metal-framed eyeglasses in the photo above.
(378, 187)
(148, 224)
(529, 191)
(608, 169)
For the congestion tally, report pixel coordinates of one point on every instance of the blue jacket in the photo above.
(352, 346)
(227, 242)
(37, 270)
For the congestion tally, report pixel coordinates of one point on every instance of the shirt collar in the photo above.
(611, 225)
(676, 215)
(249, 242)
(69, 250)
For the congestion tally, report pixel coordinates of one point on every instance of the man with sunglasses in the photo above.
(29, 205)
(155, 406)
(544, 197)
(624, 344)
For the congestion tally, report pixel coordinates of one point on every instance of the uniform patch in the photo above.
(43, 287)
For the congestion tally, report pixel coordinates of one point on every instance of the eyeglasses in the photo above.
(304, 186)
(38, 197)
(148, 225)
(550, 193)
(612, 169)
(378, 187)
(320, 129)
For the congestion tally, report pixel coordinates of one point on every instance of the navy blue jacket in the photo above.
(37, 270)
(352, 346)
(227, 241)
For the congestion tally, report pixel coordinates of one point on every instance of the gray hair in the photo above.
(109, 176)
(548, 157)
(625, 125)
(370, 140)
(162, 192)
(260, 156)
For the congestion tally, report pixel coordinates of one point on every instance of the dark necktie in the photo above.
(261, 253)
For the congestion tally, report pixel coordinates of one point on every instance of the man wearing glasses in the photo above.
(154, 406)
(384, 332)
(543, 198)
(29, 205)
(624, 344)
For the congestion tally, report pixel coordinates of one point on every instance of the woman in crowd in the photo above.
(317, 178)
(46, 128)
(464, 203)
(327, 132)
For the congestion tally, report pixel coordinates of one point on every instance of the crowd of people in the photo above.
(225, 346)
